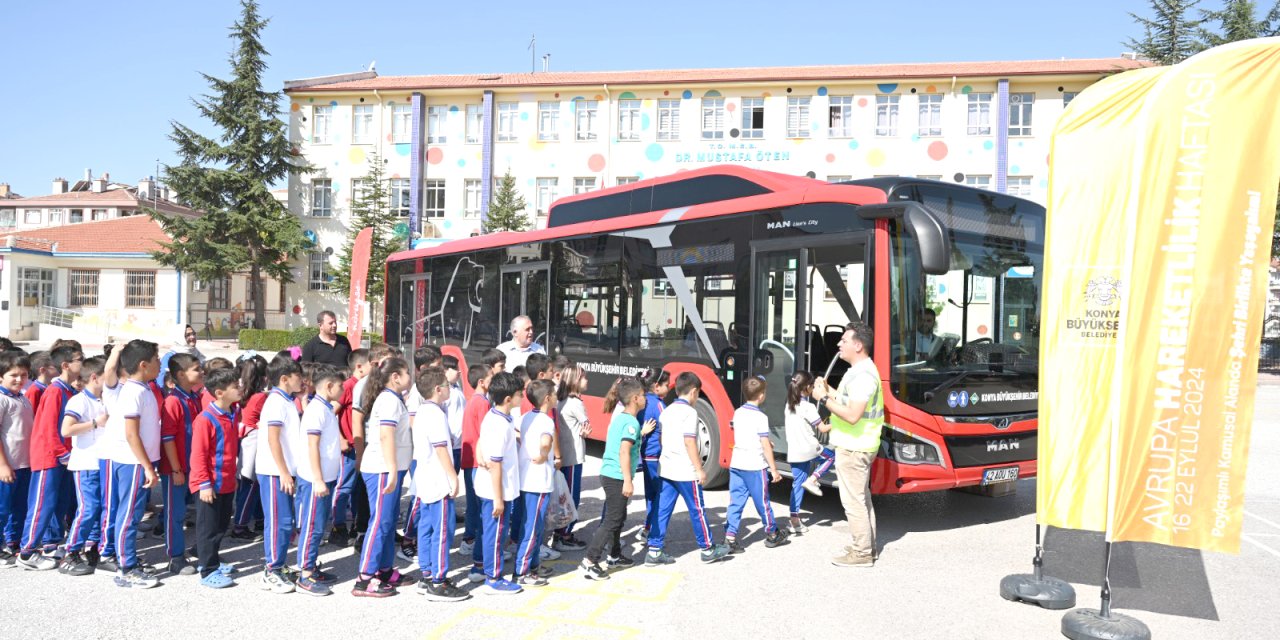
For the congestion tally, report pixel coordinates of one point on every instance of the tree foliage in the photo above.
(1237, 20)
(1171, 35)
(507, 209)
(228, 176)
(369, 208)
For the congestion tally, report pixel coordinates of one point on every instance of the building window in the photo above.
(668, 119)
(1019, 186)
(220, 293)
(284, 298)
(979, 114)
(55, 215)
(140, 289)
(583, 185)
(627, 180)
(321, 198)
(840, 116)
(930, 177)
(980, 181)
(548, 121)
(471, 198)
(585, 117)
(753, 117)
(8, 218)
(507, 114)
(713, 118)
(887, 115)
(546, 194)
(628, 119)
(402, 123)
(31, 216)
(433, 192)
(358, 185)
(930, 115)
(399, 188)
(837, 178)
(1020, 113)
(317, 268)
(437, 119)
(97, 214)
(36, 286)
(321, 124)
(82, 287)
(1067, 97)
(798, 117)
(475, 122)
(362, 124)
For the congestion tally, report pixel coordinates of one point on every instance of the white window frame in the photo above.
(981, 181)
(839, 116)
(1018, 186)
(669, 119)
(930, 122)
(750, 107)
(930, 177)
(838, 178)
(548, 121)
(322, 124)
(8, 218)
(399, 193)
(55, 216)
(36, 281)
(437, 121)
(29, 218)
(1020, 111)
(712, 120)
(545, 194)
(471, 194)
(475, 122)
(97, 214)
(586, 118)
(73, 215)
(628, 119)
(362, 124)
(621, 180)
(433, 198)
(979, 114)
(321, 198)
(887, 112)
(401, 123)
(508, 113)
(798, 116)
(1067, 97)
(584, 185)
(317, 267)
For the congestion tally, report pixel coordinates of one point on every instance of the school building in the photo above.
(446, 140)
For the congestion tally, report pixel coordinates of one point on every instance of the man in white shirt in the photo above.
(521, 344)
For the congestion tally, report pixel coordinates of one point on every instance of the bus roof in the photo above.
(783, 191)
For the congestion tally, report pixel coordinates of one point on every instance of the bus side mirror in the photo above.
(923, 226)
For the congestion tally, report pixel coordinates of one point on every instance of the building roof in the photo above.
(1089, 66)
(126, 197)
(129, 235)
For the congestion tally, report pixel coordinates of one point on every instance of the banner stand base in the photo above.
(1091, 624)
(1043, 591)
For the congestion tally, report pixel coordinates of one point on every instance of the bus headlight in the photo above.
(905, 448)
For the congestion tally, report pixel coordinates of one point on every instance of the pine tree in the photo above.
(1237, 21)
(370, 208)
(229, 177)
(507, 210)
(1171, 36)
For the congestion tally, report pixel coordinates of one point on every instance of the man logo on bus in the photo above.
(1102, 291)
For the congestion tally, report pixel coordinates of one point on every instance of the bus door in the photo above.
(525, 291)
(414, 293)
(804, 292)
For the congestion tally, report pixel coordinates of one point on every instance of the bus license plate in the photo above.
(1002, 474)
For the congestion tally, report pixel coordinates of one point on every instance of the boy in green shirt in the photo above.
(616, 469)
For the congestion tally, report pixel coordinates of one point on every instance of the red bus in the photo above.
(731, 272)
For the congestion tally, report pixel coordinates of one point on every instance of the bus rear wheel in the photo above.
(709, 445)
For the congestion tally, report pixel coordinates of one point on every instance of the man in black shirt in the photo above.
(328, 347)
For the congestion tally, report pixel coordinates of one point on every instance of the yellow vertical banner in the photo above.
(1205, 181)
(1094, 146)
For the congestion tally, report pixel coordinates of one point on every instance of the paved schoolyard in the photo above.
(943, 557)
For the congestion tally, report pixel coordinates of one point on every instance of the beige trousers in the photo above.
(853, 472)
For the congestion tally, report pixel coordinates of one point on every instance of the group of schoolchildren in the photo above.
(301, 451)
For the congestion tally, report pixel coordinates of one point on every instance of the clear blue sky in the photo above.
(95, 84)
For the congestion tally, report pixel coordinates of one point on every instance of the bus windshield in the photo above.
(966, 343)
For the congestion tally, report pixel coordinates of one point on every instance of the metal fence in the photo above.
(1269, 353)
(57, 317)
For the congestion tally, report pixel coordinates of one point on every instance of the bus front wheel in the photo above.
(709, 445)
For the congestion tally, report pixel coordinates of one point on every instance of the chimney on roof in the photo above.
(59, 186)
(88, 175)
(99, 185)
(4, 189)
(145, 188)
